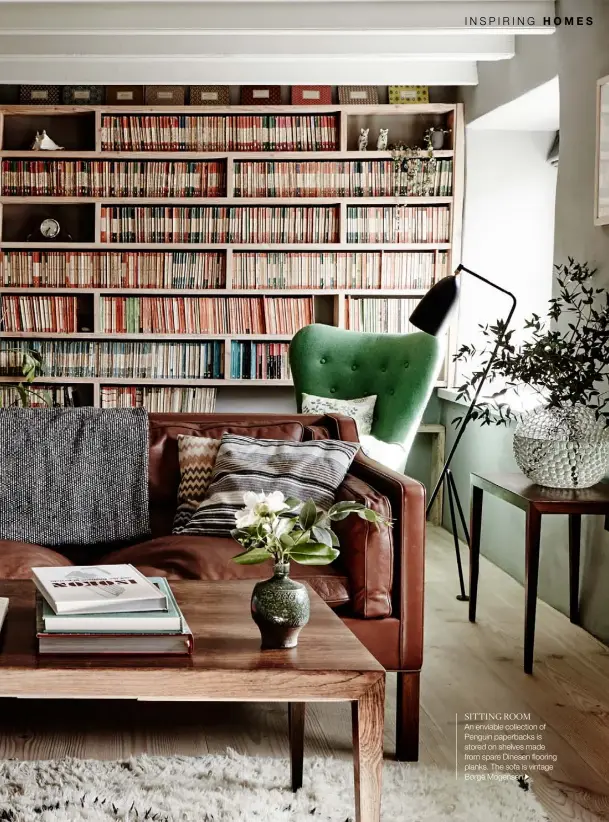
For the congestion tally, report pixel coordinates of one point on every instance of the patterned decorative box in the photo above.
(260, 95)
(40, 95)
(82, 95)
(357, 94)
(209, 96)
(408, 94)
(165, 95)
(124, 95)
(311, 95)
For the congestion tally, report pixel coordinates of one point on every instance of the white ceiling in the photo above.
(372, 42)
(537, 110)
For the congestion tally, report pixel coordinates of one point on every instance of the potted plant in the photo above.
(564, 442)
(284, 530)
(30, 368)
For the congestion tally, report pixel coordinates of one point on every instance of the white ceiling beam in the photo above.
(391, 47)
(232, 71)
(382, 16)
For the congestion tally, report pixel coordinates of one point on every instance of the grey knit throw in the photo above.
(73, 476)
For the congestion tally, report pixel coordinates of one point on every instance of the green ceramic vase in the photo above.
(280, 608)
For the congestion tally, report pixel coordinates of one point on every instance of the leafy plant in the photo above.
(565, 358)
(407, 160)
(30, 368)
(287, 529)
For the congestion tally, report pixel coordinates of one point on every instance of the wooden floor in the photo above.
(467, 668)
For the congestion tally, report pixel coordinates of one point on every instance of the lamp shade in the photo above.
(432, 314)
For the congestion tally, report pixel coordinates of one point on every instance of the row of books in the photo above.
(113, 178)
(220, 132)
(205, 315)
(343, 178)
(130, 360)
(107, 609)
(259, 361)
(38, 313)
(379, 315)
(398, 224)
(163, 399)
(40, 395)
(219, 224)
(207, 270)
(113, 269)
(339, 269)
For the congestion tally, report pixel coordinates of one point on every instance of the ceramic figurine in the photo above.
(381, 143)
(362, 142)
(42, 142)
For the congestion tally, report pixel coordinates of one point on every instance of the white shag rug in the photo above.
(235, 788)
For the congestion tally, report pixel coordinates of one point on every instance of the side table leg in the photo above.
(368, 718)
(296, 722)
(533, 537)
(475, 530)
(575, 531)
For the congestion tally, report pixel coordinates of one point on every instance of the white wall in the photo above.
(508, 228)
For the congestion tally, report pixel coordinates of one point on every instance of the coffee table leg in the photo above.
(296, 721)
(533, 537)
(575, 530)
(368, 716)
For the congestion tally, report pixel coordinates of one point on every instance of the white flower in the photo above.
(259, 506)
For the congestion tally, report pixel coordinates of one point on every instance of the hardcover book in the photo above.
(97, 589)
(179, 642)
(154, 622)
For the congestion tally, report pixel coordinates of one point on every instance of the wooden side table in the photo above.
(535, 501)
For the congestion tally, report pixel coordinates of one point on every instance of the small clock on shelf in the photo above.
(48, 230)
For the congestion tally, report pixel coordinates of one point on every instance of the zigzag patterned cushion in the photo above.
(197, 457)
(306, 470)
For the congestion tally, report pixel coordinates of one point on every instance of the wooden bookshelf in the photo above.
(337, 273)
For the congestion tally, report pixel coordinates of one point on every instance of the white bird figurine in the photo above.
(42, 142)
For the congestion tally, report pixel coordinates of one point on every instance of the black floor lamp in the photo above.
(432, 315)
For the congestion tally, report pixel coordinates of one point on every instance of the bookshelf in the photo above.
(196, 240)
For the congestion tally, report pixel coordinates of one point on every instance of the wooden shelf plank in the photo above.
(27, 154)
(85, 246)
(351, 109)
(251, 202)
(145, 335)
(216, 292)
(148, 381)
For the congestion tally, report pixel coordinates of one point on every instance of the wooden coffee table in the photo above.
(329, 665)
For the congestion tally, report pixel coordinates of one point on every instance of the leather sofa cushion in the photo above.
(18, 558)
(164, 467)
(366, 550)
(180, 556)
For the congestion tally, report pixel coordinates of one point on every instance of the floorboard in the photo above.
(467, 668)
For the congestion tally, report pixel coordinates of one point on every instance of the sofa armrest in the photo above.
(407, 499)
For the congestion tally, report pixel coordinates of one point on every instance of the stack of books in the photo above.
(107, 609)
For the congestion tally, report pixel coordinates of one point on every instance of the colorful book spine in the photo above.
(113, 269)
(381, 315)
(222, 132)
(160, 399)
(219, 224)
(398, 224)
(113, 178)
(259, 361)
(343, 178)
(205, 315)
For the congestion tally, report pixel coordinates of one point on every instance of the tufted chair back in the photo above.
(401, 369)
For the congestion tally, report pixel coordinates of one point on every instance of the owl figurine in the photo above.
(383, 139)
(362, 141)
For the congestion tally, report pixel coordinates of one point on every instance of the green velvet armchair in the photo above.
(401, 369)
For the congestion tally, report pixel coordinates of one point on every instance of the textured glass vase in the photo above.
(562, 447)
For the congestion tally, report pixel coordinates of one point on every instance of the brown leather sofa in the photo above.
(376, 585)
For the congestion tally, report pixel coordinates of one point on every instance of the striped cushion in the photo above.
(306, 470)
(197, 456)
